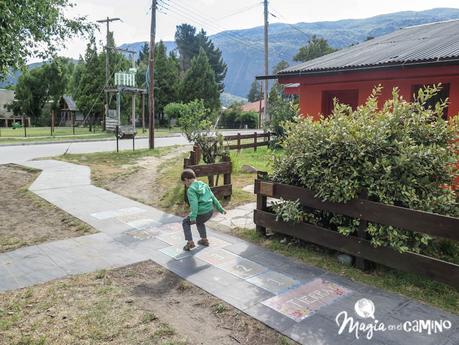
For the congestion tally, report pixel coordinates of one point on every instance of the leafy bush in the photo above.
(174, 111)
(400, 154)
(196, 123)
(234, 117)
(280, 110)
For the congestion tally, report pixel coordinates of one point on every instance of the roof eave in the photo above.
(450, 61)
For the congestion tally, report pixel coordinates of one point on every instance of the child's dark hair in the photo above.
(187, 174)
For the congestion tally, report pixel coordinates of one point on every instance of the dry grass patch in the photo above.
(25, 218)
(137, 304)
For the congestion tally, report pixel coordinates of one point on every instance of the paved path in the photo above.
(20, 154)
(299, 301)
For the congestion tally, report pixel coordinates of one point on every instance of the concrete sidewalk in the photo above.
(297, 300)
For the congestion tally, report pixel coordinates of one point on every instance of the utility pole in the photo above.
(151, 70)
(265, 110)
(107, 61)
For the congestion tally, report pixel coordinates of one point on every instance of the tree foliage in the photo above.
(255, 94)
(189, 44)
(401, 154)
(315, 48)
(34, 29)
(199, 82)
(235, 117)
(39, 86)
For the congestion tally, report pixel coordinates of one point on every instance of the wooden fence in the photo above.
(266, 137)
(359, 245)
(210, 170)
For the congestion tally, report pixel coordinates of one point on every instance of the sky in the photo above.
(217, 15)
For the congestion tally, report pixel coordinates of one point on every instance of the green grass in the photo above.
(42, 134)
(410, 285)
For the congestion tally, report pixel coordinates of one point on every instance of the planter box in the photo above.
(360, 246)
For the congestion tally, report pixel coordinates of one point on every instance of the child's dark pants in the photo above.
(200, 220)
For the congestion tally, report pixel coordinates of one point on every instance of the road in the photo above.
(19, 154)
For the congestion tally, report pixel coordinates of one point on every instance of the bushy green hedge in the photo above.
(400, 154)
(234, 117)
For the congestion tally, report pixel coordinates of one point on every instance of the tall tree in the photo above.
(189, 43)
(41, 85)
(280, 66)
(167, 78)
(215, 58)
(315, 48)
(34, 29)
(255, 94)
(88, 85)
(143, 54)
(199, 82)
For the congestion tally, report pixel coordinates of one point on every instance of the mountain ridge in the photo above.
(242, 49)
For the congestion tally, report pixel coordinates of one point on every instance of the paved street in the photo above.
(297, 300)
(23, 153)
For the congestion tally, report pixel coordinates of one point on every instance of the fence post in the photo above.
(238, 142)
(227, 177)
(361, 263)
(255, 141)
(262, 204)
(197, 156)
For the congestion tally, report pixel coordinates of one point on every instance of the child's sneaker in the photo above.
(203, 242)
(189, 246)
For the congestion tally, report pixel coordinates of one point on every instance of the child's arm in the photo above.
(193, 200)
(216, 203)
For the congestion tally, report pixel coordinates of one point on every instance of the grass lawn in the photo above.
(133, 305)
(42, 134)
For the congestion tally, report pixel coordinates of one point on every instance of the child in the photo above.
(202, 202)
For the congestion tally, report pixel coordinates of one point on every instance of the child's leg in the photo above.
(200, 224)
(186, 224)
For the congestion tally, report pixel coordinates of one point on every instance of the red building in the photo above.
(408, 59)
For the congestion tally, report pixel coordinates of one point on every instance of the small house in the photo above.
(409, 59)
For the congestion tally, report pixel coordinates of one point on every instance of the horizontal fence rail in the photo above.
(405, 218)
(359, 245)
(255, 136)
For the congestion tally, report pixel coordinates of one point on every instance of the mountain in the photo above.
(243, 52)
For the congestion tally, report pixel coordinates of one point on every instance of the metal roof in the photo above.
(70, 103)
(427, 43)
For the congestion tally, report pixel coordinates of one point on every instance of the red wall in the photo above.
(311, 87)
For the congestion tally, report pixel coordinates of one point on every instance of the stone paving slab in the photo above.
(242, 274)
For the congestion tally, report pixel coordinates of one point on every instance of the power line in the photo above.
(184, 13)
(292, 25)
(197, 17)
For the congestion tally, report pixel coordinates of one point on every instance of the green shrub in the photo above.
(234, 117)
(280, 110)
(174, 111)
(400, 154)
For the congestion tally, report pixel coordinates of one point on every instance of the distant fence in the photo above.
(210, 170)
(359, 245)
(259, 139)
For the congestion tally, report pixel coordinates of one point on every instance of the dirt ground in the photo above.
(139, 182)
(138, 304)
(26, 219)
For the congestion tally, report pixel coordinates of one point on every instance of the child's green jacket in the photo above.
(201, 200)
